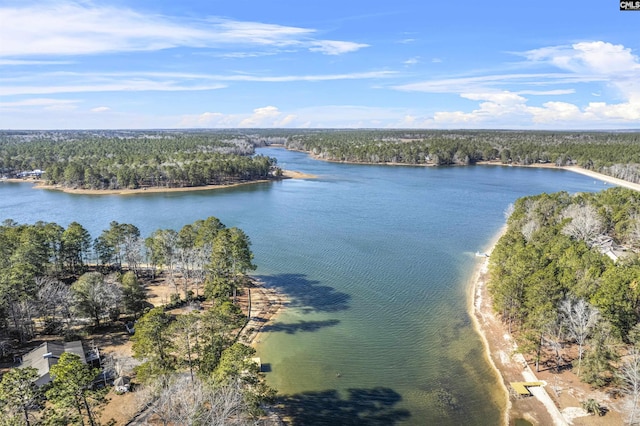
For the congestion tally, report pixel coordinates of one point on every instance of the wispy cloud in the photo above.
(333, 47)
(495, 82)
(20, 62)
(116, 86)
(502, 101)
(100, 109)
(344, 116)
(74, 82)
(38, 102)
(80, 28)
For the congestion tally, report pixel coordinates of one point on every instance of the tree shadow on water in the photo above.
(367, 407)
(292, 328)
(308, 295)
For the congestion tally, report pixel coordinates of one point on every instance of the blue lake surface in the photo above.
(376, 261)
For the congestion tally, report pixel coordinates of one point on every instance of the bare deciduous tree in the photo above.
(634, 234)
(529, 228)
(585, 224)
(54, 300)
(184, 402)
(554, 337)
(509, 210)
(630, 375)
(133, 251)
(579, 319)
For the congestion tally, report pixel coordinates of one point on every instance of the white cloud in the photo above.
(501, 104)
(332, 47)
(114, 86)
(264, 117)
(37, 102)
(495, 82)
(412, 61)
(501, 98)
(100, 109)
(343, 116)
(50, 83)
(593, 57)
(19, 62)
(555, 92)
(77, 28)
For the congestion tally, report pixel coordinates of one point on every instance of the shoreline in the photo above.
(499, 350)
(575, 169)
(476, 304)
(266, 305)
(39, 184)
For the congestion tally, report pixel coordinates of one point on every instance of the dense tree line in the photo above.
(135, 159)
(53, 279)
(120, 160)
(552, 281)
(616, 154)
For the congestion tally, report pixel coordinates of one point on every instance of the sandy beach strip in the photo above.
(500, 352)
(39, 184)
(499, 344)
(604, 178)
(266, 304)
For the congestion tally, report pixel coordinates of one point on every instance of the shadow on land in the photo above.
(367, 407)
(308, 295)
(293, 328)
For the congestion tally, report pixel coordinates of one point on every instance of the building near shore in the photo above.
(47, 354)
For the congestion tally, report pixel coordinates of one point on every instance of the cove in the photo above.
(376, 262)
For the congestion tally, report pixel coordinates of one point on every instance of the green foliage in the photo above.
(119, 160)
(592, 406)
(615, 154)
(71, 391)
(19, 394)
(133, 294)
(152, 343)
(95, 296)
(541, 262)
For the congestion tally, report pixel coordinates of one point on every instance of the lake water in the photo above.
(376, 262)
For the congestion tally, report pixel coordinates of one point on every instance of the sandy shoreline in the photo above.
(39, 184)
(266, 304)
(499, 351)
(542, 408)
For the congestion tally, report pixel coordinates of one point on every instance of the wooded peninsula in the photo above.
(111, 160)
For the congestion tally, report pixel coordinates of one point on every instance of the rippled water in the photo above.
(376, 261)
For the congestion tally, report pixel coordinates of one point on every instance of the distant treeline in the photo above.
(166, 158)
(613, 153)
(120, 160)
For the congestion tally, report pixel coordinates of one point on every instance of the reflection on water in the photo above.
(374, 260)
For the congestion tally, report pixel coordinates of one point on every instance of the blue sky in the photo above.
(347, 64)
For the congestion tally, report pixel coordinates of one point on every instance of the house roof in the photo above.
(47, 354)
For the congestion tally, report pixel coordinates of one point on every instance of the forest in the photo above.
(173, 158)
(565, 279)
(613, 153)
(190, 365)
(133, 159)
